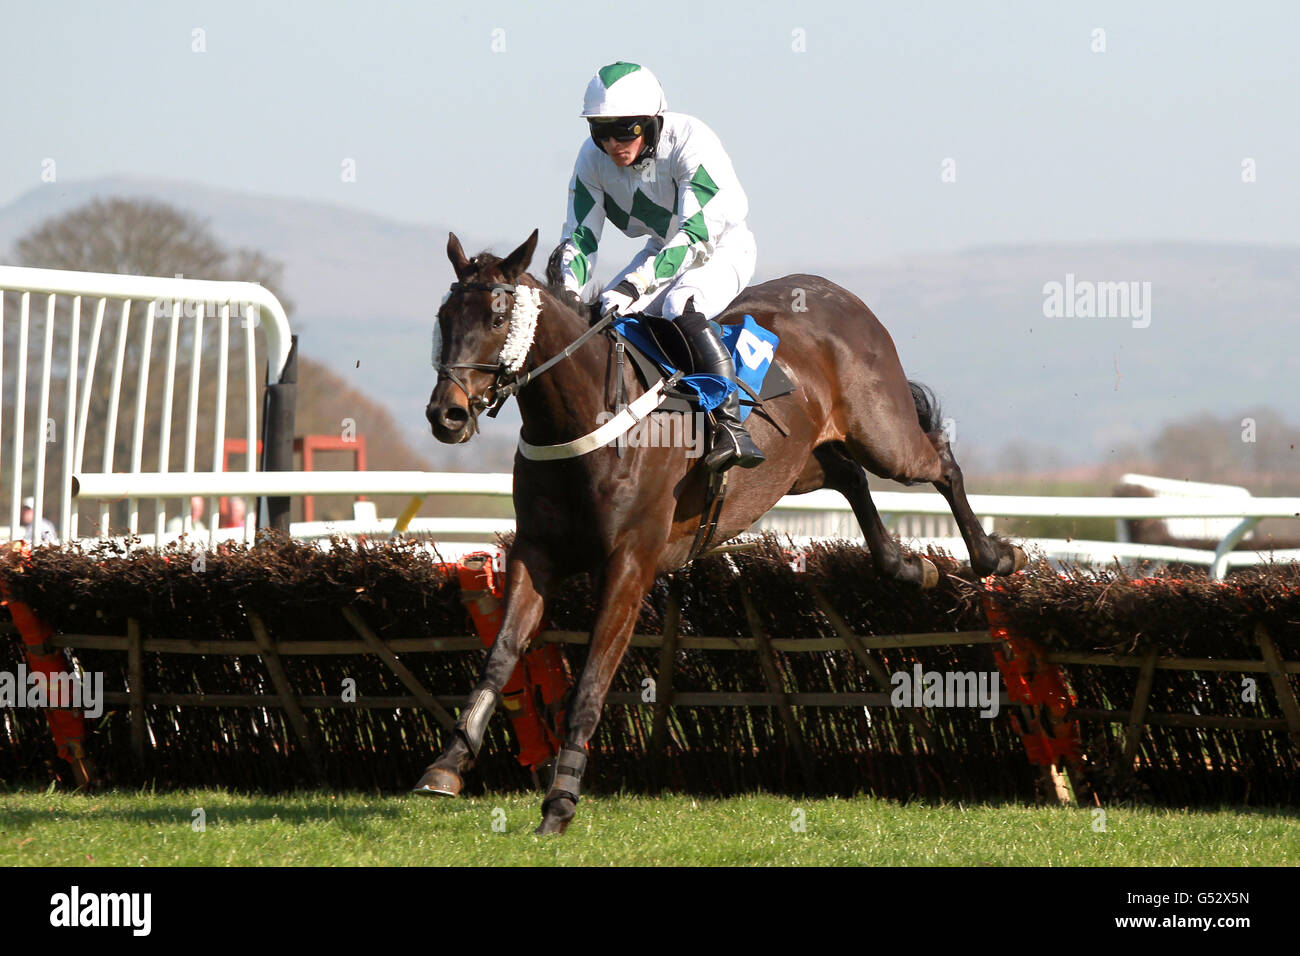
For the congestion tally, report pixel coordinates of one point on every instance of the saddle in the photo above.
(661, 351)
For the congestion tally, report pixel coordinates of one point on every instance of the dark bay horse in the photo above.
(624, 520)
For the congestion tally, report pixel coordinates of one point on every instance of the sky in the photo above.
(840, 119)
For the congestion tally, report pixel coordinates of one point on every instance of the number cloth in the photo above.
(752, 349)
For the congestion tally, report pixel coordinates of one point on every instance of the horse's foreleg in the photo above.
(849, 478)
(527, 577)
(625, 584)
(988, 555)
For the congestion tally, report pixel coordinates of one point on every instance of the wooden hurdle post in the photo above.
(409, 680)
(292, 709)
(767, 661)
(1286, 697)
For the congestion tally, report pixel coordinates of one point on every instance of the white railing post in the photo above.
(42, 414)
(20, 413)
(1219, 567)
(66, 530)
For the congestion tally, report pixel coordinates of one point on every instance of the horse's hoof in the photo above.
(550, 826)
(556, 816)
(1020, 559)
(439, 782)
(930, 574)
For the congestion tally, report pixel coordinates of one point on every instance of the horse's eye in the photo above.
(499, 321)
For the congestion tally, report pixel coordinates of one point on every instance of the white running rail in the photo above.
(1246, 511)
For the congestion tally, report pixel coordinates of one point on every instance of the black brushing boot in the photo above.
(732, 444)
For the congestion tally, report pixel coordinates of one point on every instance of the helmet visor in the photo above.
(624, 129)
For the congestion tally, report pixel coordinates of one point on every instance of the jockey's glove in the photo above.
(618, 299)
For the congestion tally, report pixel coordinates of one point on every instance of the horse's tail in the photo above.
(927, 407)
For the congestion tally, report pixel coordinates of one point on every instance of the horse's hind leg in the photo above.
(988, 555)
(626, 579)
(849, 478)
(528, 576)
(897, 435)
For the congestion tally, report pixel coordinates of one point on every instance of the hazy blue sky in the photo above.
(839, 146)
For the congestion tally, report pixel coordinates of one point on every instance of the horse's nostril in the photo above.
(454, 416)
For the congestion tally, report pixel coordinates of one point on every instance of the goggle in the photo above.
(622, 129)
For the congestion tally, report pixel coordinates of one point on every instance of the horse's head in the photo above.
(480, 337)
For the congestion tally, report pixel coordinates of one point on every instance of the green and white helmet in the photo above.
(623, 89)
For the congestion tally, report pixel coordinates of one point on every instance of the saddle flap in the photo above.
(671, 340)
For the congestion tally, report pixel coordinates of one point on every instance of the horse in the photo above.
(625, 519)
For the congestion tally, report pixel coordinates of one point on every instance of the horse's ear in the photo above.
(514, 265)
(459, 261)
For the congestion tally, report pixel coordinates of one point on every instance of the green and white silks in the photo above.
(686, 199)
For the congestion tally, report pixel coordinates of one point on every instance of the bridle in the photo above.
(504, 381)
(476, 402)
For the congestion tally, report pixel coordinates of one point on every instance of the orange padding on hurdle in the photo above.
(68, 727)
(1032, 680)
(536, 695)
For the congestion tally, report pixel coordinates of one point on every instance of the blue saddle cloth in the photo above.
(752, 349)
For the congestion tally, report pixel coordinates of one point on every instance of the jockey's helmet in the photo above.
(625, 100)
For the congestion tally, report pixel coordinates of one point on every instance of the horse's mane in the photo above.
(555, 269)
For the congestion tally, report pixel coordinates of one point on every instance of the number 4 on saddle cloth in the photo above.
(660, 350)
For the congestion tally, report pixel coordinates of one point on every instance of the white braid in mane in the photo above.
(523, 327)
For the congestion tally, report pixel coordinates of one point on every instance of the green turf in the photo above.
(312, 829)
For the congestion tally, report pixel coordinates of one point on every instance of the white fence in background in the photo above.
(59, 302)
(1245, 512)
(843, 524)
(1186, 528)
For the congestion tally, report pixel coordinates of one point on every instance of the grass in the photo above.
(323, 829)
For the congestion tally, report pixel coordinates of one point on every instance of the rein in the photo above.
(510, 388)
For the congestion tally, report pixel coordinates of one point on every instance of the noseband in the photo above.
(506, 380)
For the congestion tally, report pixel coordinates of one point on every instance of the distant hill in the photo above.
(971, 324)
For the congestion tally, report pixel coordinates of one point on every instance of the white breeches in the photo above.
(713, 284)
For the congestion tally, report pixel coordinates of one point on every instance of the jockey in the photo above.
(666, 176)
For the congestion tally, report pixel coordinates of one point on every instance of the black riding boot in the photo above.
(731, 442)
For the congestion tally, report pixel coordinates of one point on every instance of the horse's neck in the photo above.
(562, 403)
